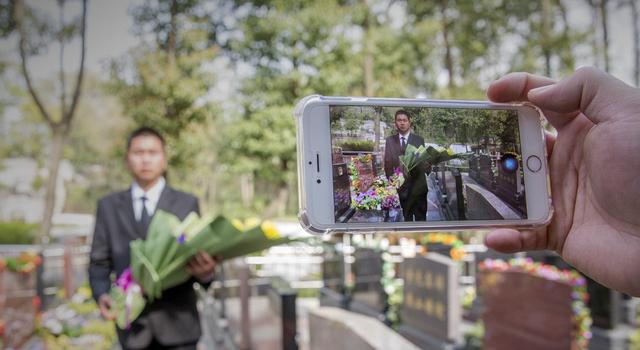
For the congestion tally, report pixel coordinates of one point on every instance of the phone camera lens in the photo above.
(509, 163)
(318, 181)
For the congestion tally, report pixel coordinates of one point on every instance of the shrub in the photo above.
(361, 145)
(17, 232)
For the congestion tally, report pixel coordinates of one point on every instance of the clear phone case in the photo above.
(408, 227)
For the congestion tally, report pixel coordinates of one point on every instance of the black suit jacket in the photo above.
(392, 151)
(173, 319)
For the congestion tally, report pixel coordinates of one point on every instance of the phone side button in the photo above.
(534, 163)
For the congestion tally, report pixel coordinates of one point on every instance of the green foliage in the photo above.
(17, 232)
(357, 145)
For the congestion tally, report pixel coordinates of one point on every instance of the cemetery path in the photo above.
(433, 209)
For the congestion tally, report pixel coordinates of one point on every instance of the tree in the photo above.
(59, 126)
(296, 52)
(164, 83)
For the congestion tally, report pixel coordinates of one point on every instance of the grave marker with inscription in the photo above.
(431, 313)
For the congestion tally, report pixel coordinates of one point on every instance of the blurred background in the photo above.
(220, 79)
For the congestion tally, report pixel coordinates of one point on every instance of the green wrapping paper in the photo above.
(414, 156)
(159, 262)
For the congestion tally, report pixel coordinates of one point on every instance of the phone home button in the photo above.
(534, 163)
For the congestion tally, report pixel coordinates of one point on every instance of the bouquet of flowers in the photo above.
(414, 156)
(159, 261)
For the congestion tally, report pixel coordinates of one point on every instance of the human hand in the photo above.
(104, 303)
(202, 266)
(594, 168)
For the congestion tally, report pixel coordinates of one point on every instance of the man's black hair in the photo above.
(401, 111)
(144, 131)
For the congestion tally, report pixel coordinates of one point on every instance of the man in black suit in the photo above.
(413, 193)
(171, 322)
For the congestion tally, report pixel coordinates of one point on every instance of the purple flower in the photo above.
(125, 280)
(182, 238)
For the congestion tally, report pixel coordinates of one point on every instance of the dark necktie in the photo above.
(403, 142)
(144, 216)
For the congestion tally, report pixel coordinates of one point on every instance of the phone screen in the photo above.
(400, 164)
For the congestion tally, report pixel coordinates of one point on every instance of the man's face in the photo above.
(146, 159)
(402, 123)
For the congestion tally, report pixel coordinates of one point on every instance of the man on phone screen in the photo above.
(413, 193)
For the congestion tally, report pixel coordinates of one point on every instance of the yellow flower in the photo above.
(251, 223)
(270, 230)
(457, 254)
(450, 152)
(449, 240)
(237, 224)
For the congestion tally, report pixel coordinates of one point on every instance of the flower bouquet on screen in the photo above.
(159, 262)
(416, 157)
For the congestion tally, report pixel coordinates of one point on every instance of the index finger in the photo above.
(205, 257)
(516, 86)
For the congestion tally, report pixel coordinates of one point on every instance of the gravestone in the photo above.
(510, 188)
(606, 311)
(333, 292)
(439, 248)
(431, 312)
(336, 329)
(366, 175)
(341, 190)
(449, 192)
(481, 170)
(18, 306)
(368, 296)
(606, 306)
(523, 311)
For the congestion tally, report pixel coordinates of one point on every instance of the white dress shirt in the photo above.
(406, 138)
(152, 195)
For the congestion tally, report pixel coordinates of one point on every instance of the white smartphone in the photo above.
(379, 164)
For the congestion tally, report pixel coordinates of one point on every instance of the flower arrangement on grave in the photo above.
(393, 287)
(158, 262)
(582, 315)
(26, 262)
(381, 195)
(457, 246)
(76, 324)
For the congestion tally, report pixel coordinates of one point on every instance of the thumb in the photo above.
(588, 90)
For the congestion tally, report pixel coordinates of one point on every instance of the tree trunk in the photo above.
(59, 129)
(246, 189)
(448, 55)
(58, 139)
(605, 34)
(173, 33)
(369, 79)
(278, 205)
(595, 14)
(546, 37)
(636, 40)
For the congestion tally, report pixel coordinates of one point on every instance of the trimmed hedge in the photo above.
(363, 145)
(17, 232)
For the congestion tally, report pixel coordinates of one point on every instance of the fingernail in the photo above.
(538, 91)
